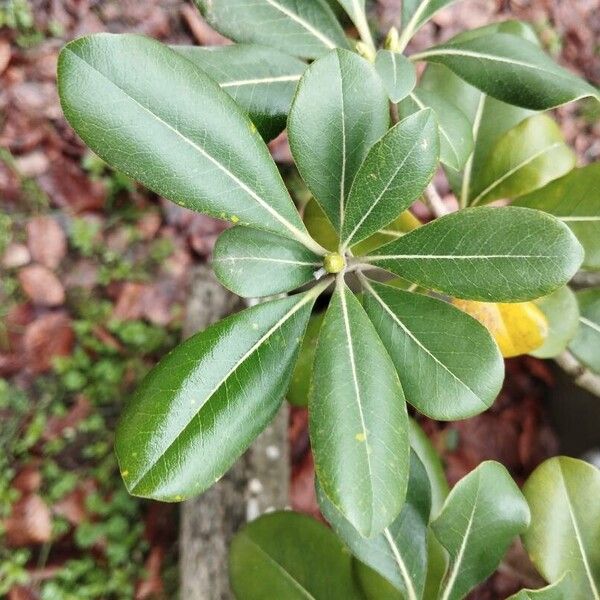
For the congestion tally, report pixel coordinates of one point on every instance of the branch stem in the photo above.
(582, 376)
(434, 201)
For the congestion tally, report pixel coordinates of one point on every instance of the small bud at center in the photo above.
(334, 262)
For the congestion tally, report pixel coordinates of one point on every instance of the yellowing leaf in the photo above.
(321, 229)
(518, 328)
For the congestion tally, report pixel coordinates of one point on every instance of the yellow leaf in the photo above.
(518, 328)
(321, 229)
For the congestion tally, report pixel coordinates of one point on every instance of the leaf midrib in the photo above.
(298, 19)
(376, 202)
(514, 170)
(297, 233)
(350, 347)
(578, 535)
(260, 80)
(463, 546)
(410, 589)
(594, 326)
(265, 259)
(446, 51)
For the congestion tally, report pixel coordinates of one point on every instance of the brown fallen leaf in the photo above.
(72, 507)
(46, 240)
(69, 187)
(27, 480)
(4, 55)
(49, 336)
(152, 585)
(28, 523)
(130, 301)
(20, 592)
(55, 426)
(15, 256)
(41, 285)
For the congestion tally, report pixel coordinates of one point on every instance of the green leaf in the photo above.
(511, 69)
(397, 74)
(563, 496)
(432, 462)
(399, 553)
(254, 263)
(525, 158)
(289, 556)
(339, 112)
(394, 174)
(560, 590)
(489, 117)
(358, 417)
(489, 254)
(575, 200)
(437, 557)
(415, 13)
(373, 585)
(481, 516)
(260, 79)
(456, 136)
(298, 391)
(587, 341)
(174, 130)
(562, 314)
(356, 11)
(305, 29)
(205, 401)
(446, 376)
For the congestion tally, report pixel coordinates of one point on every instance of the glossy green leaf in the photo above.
(511, 69)
(561, 590)
(563, 496)
(174, 130)
(575, 200)
(449, 365)
(587, 341)
(394, 174)
(339, 112)
(205, 401)
(305, 29)
(298, 391)
(482, 515)
(562, 314)
(490, 118)
(289, 556)
(254, 263)
(399, 553)
(489, 254)
(415, 13)
(358, 417)
(524, 159)
(456, 136)
(397, 74)
(260, 79)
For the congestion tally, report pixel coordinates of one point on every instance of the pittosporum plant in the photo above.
(190, 124)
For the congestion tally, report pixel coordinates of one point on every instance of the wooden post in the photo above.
(258, 482)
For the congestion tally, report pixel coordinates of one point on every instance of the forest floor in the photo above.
(95, 273)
